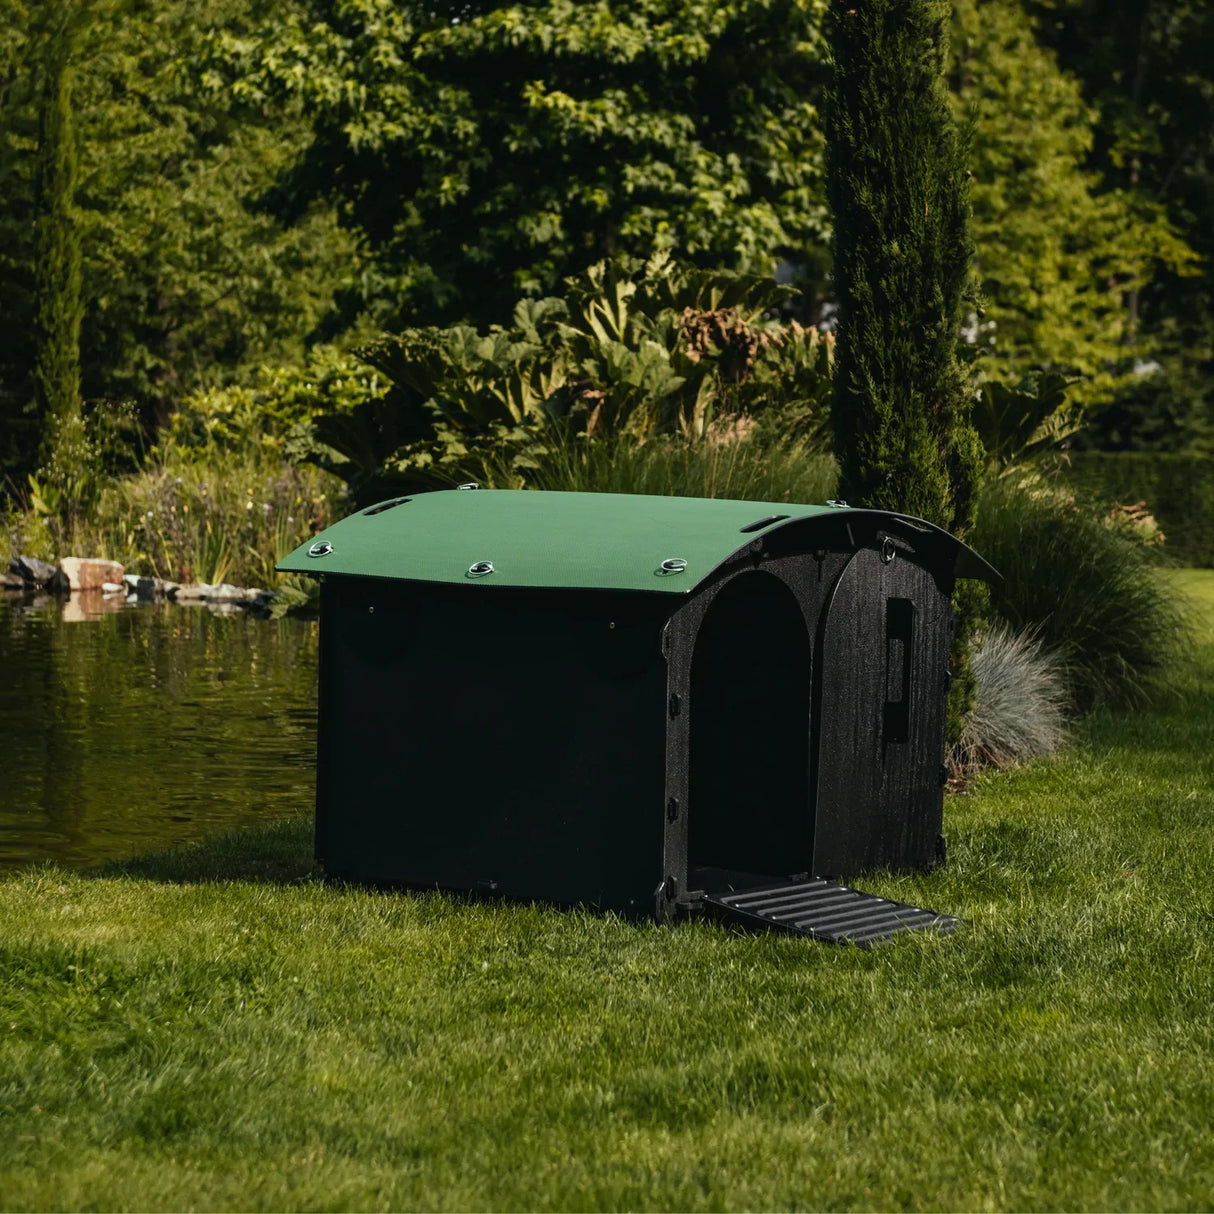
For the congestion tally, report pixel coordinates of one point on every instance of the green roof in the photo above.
(603, 541)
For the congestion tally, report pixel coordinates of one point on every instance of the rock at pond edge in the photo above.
(39, 575)
(87, 573)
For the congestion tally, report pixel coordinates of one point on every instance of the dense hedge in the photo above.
(1178, 490)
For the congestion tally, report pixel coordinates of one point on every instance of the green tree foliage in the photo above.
(1148, 72)
(191, 278)
(899, 195)
(186, 280)
(20, 432)
(484, 151)
(244, 165)
(1059, 248)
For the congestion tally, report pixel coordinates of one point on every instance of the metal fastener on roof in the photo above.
(469, 485)
(838, 503)
(320, 548)
(672, 564)
(480, 569)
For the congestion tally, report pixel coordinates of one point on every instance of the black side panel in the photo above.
(510, 741)
(749, 798)
(880, 717)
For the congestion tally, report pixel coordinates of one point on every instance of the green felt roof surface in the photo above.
(609, 541)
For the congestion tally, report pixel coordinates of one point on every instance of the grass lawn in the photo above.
(170, 1040)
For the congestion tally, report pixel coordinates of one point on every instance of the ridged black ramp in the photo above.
(825, 910)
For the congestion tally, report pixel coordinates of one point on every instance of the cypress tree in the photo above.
(57, 281)
(898, 187)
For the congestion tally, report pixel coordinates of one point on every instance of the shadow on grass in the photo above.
(278, 853)
(281, 853)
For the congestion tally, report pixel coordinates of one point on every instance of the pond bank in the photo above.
(27, 575)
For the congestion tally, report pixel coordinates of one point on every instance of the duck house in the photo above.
(649, 704)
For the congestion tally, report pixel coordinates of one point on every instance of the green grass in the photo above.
(214, 1029)
(1197, 587)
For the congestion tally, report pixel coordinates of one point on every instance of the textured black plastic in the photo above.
(825, 911)
(516, 748)
(881, 694)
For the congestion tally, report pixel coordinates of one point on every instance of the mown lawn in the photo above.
(262, 1041)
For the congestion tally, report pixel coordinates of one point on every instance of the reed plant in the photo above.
(218, 517)
(228, 519)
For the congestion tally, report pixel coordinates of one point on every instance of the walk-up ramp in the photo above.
(824, 910)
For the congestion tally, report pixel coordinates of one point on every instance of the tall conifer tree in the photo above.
(898, 187)
(57, 254)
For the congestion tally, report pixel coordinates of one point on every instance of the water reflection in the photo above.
(126, 729)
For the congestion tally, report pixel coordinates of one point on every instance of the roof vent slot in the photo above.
(382, 506)
(760, 523)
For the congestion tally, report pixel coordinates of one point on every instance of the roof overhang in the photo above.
(592, 541)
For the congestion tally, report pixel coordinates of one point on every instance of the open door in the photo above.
(759, 844)
(749, 793)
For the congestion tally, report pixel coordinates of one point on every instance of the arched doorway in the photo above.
(748, 797)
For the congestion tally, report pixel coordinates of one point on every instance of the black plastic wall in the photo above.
(864, 678)
(496, 740)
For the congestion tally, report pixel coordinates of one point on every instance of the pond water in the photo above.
(133, 729)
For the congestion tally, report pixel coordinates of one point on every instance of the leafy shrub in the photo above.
(634, 349)
(1017, 423)
(86, 451)
(218, 498)
(1019, 702)
(1089, 591)
(268, 412)
(28, 531)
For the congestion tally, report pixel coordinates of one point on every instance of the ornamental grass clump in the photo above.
(742, 468)
(1020, 696)
(1089, 591)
